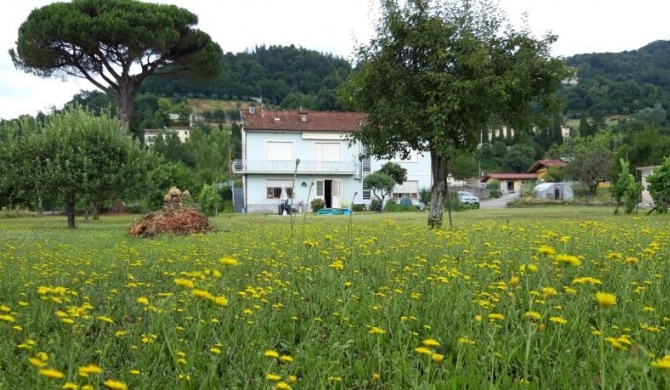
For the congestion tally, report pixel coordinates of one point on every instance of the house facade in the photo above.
(541, 167)
(150, 134)
(509, 182)
(331, 167)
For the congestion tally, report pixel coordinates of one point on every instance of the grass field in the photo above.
(552, 297)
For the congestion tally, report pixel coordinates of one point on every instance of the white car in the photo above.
(468, 198)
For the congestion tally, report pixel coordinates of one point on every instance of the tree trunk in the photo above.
(438, 193)
(126, 98)
(69, 209)
(96, 211)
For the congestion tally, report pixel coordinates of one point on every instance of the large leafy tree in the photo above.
(381, 185)
(440, 71)
(659, 187)
(73, 155)
(115, 45)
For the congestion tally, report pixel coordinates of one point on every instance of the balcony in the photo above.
(306, 167)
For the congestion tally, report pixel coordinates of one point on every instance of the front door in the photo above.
(330, 191)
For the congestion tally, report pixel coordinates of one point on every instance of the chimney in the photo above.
(303, 116)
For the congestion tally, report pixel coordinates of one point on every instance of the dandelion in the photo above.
(228, 261)
(7, 318)
(89, 369)
(514, 281)
(181, 282)
(605, 299)
(272, 377)
(115, 385)
(465, 341)
(135, 372)
(143, 300)
(283, 386)
(423, 351)
(495, 317)
(546, 250)
(70, 386)
(375, 376)
(430, 343)
(39, 363)
(286, 359)
(202, 294)
(631, 260)
(663, 363)
(51, 373)
(215, 350)
(337, 265)
(220, 301)
(271, 353)
(558, 320)
(105, 319)
(292, 378)
(436, 357)
(568, 259)
(533, 315)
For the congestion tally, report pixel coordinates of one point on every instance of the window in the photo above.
(366, 193)
(279, 151)
(274, 188)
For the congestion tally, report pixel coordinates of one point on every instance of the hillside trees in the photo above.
(105, 41)
(438, 72)
(73, 155)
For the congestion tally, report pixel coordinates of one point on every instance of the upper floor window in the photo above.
(279, 150)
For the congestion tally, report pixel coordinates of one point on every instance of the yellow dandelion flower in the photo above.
(271, 353)
(39, 363)
(430, 343)
(143, 300)
(89, 369)
(605, 299)
(215, 350)
(533, 315)
(115, 385)
(436, 357)
(105, 319)
(135, 372)
(220, 301)
(70, 386)
(376, 330)
(568, 259)
(283, 386)
(495, 317)
(546, 250)
(631, 260)
(228, 261)
(423, 351)
(514, 281)
(663, 363)
(7, 318)
(51, 373)
(465, 341)
(334, 379)
(375, 376)
(586, 280)
(292, 378)
(286, 358)
(181, 282)
(273, 377)
(202, 294)
(558, 320)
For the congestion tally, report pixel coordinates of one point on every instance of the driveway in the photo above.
(498, 203)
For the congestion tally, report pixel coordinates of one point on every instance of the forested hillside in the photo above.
(289, 77)
(619, 83)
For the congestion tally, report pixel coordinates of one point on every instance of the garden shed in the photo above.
(553, 191)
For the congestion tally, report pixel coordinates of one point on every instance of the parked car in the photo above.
(468, 198)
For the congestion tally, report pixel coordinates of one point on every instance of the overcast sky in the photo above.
(334, 26)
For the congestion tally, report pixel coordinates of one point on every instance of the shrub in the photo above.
(375, 205)
(493, 185)
(394, 207)
(358, 207)
(495, 193)
(317, 204)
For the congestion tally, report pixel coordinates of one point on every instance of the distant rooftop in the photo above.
(302, 120)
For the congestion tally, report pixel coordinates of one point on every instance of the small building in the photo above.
(150, 134)
(644, 173)
(509, 182)
(541, 167)
(553, 191)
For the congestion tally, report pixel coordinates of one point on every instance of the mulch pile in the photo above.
(172, 218)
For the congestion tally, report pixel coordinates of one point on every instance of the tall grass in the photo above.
(505, 300)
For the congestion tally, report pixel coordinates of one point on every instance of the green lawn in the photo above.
(509, 298)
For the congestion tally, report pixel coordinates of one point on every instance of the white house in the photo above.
(644, 173)
(331, 167)
(150, 134)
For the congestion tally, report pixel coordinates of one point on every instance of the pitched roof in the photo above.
(546, 163)
(510, 176)
(303, 120)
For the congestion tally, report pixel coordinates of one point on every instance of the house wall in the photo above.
(418, 174)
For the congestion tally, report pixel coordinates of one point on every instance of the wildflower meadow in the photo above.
(529, 299)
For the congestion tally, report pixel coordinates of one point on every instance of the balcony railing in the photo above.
(305, 167)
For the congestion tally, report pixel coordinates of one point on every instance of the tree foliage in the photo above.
(381, 185)
(73, 155)
(105, 41)
(659, 187)
(438, 72)
(397, 172)
(589, 158)
(626, 190)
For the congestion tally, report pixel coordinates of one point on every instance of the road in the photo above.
(498, 203)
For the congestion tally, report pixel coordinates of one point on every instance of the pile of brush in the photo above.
(173, 218)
